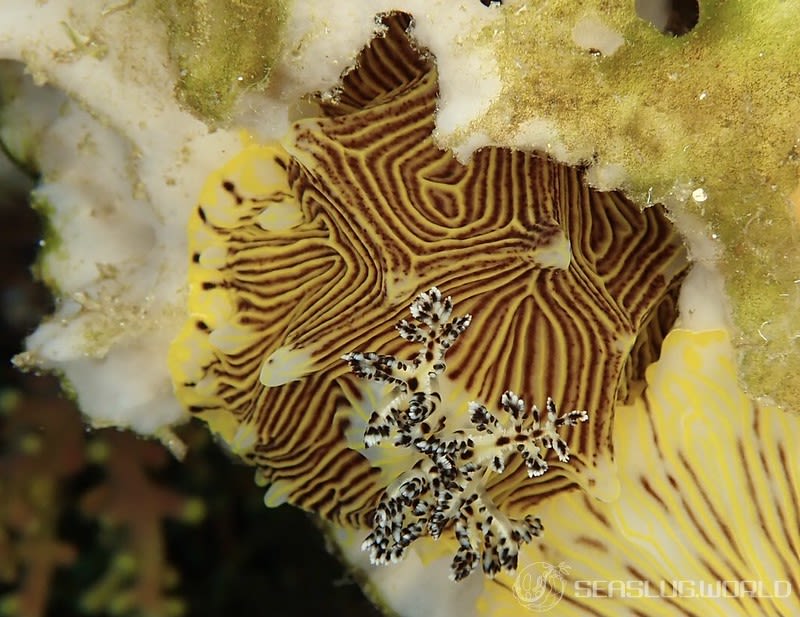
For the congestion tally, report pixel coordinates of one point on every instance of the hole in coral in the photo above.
(675, 17)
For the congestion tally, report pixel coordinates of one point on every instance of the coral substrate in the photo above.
(237, 195)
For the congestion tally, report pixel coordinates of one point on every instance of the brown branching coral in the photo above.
(42, 446)
(133, 507)
(44, 449)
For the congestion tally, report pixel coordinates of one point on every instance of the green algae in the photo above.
(222, 48)
(715, 109)
(51, 245)
(17, 138)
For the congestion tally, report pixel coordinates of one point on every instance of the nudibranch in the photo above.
(449, 468)
(706, 523)
(314, 247)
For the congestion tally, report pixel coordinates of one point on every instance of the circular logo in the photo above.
(540, 585)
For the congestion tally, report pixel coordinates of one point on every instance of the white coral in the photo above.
(122, 163)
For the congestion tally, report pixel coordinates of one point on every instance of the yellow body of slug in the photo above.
(309, 248)
(706, 522)
(304, 250)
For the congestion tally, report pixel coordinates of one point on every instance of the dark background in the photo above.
(68, 515)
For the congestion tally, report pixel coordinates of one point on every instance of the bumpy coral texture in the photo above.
(715, 109)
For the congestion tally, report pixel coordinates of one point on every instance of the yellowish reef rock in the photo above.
(222, 48)
(706, 123)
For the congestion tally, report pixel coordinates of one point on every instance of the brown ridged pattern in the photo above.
(386, 214)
